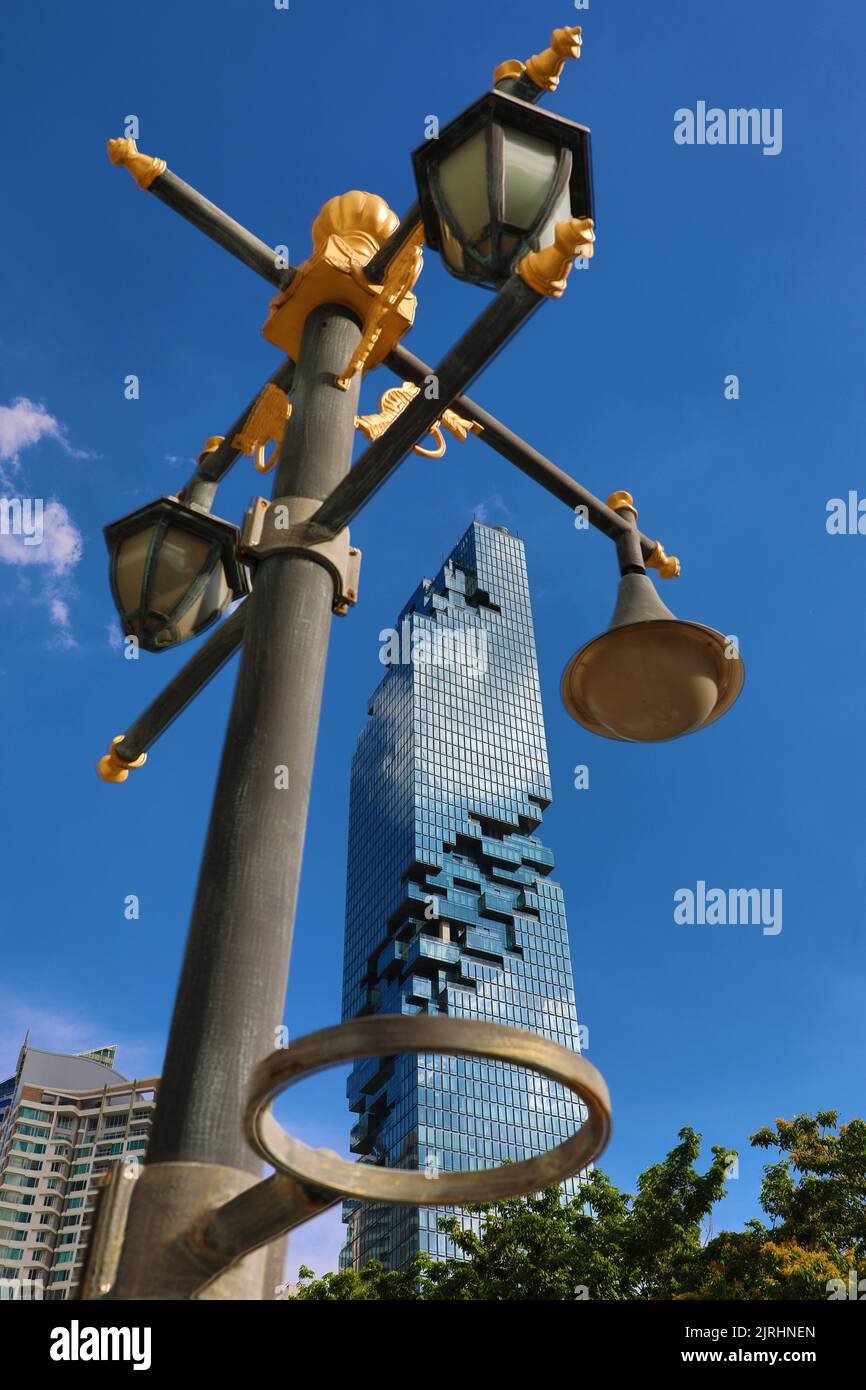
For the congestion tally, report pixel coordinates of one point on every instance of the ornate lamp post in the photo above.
(506, 195)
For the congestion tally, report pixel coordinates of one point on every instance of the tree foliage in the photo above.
(815, 1196)
(613, 1245)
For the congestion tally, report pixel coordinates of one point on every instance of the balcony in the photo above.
(419, 989)
(486, 943)
(537, 854)
(498, 853)
(371, 1074)
(362, 1136)
(391, 960)
(497, 905)
(458, 912)
(427, 954)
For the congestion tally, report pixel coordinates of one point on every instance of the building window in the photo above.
(10, 1214)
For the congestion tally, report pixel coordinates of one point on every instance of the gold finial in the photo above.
(210, 446)
(544, 69)
(395, 400)
(363, 221)
(143, 167)
(668, 566)
(347, 233)
(111, 768)
(622, 501)
(265, 424)
(547, 271)
(512, 67)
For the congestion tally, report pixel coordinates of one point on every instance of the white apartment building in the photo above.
(63, 1121)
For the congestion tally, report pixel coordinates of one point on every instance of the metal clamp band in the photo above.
(281, 527)
(387, 1035)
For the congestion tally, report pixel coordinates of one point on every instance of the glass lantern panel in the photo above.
(181, 559)
(451, 248)
(463, 177)
(530, 168)
(561, 213)
(213, 600)
(129, 568)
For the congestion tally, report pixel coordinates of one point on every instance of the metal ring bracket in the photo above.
(389, 1035)
(283, 526)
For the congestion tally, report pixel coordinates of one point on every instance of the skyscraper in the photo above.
(449, 906)
(63, 1121)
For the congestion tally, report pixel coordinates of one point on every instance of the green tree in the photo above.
(607, 1245)
(613, 1245)
(371, 1282)
(815, 1196)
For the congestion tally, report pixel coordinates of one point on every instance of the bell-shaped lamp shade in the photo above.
(495, 183)
(173, 571)
(651, 676)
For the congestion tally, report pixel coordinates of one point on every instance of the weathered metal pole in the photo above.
(231, 996)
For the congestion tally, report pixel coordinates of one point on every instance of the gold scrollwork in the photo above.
(402, 272)
(395, 400)
(265, 424)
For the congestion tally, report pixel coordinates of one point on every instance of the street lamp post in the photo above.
(233, 980)
(512, 210)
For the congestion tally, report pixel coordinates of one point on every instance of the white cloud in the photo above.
(60, 549)
(22, 424)
(55, 557)
(115, 636)
(495, 503)
(59, 611)
(41, 537)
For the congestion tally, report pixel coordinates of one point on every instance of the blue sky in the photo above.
(710, 261)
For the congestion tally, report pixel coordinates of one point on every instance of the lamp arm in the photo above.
(182, 198)
(211, 656)
(525, 457)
